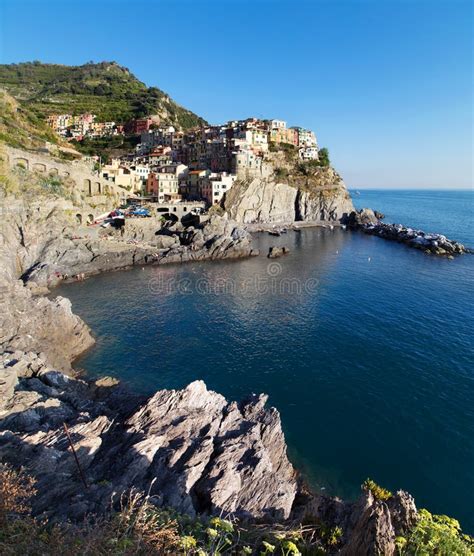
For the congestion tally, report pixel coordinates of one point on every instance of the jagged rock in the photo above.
(8, 381)
(191, 449)
(371, 529)
(39, 324)
(437, 244)
(361, 217)
(402, 511)
(166, 242)
(369, 525)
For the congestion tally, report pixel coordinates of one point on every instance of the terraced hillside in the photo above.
(20, 127)
(106, 89)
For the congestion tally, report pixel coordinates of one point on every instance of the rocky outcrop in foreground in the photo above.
(190, 449)
(366, 221)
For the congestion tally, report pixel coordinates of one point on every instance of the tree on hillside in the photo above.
(324, 157)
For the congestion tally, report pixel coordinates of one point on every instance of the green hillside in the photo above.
(106, 89)
(20, 127)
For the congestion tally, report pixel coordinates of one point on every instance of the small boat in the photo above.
(274, 233)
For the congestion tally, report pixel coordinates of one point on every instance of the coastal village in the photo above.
(201, 164)
(181, 174)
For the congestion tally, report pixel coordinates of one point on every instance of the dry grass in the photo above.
(16, 489)
(134, 530)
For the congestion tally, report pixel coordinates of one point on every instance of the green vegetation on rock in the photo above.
(31, 185)
(136, 527)
(435, 534)
(106, 89)
(324, 157)
(281, 172)
(308, 166)
(379, 492)
(133, 526)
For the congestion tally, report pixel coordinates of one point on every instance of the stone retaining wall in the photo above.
(78, 172)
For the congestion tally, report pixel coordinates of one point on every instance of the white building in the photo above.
(214, 187)
(141, 171)
(277, 124)
(309, 153)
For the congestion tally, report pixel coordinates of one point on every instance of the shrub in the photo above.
(281, 173)
(379, 492)
(435, 534)
(139, 528)
(324, 157)
(52, 184)
(16, 489)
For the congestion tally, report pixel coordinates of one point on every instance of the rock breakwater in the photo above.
(366, 221)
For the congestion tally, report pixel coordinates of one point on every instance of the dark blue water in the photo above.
(364, 346)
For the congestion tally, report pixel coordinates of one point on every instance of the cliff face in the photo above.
(190, 449)
(320, 196)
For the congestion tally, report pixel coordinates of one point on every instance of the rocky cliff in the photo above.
(286, 195)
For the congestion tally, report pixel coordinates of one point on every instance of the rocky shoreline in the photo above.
(369, 222)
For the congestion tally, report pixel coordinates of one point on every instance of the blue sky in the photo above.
(385, 84)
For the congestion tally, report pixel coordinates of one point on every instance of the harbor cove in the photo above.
(363, 345)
